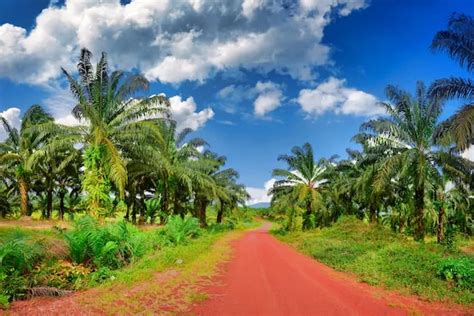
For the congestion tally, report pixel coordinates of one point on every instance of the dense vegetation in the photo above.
(127, 157)
(409, 174)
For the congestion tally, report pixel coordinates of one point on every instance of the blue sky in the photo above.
(253, 77)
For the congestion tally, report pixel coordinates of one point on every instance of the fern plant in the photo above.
(178, 230)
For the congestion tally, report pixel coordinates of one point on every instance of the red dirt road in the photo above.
(267, 277)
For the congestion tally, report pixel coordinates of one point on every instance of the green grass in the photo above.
(379, 257)
(169, 279)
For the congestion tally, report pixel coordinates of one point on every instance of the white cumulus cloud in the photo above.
(174, 41)
(12, 116)
(333, 95)
(469, 153)
(268, 99)
(260, 195)
(185, 114)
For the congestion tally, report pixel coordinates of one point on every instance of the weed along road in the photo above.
(267, 277)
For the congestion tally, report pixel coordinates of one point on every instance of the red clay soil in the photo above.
(267, 277)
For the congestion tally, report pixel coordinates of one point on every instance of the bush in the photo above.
(19, 253)
(61, 274)
(459, 270)
(4, 302)
(112, 246)
(18, 256)
(178, 231)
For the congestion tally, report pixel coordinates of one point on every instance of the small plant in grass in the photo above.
(61, 274)
(178, 230)
(4, 302)
(459, 270)
(114, 245)
(18, 256)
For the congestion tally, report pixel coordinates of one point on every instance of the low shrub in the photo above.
(178, 231)
(114, 245)
(4, 301)
(60, 274)
(459, 270)
(18, 256)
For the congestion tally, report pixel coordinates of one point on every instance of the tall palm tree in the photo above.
(301, 182)
(115, 117)
(458, 42)
(408, 146)
(17, 150)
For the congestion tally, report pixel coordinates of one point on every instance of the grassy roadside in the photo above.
(46, 258)
(379, 257)
(168, 280)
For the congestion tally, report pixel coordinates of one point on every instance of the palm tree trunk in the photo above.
(23, 187)
(372, 214)
(220, 213)
(164, 204)
(307, 216)
(419, 212)
(201, 211)
(49, 197)
(441, 220)
(62, 194)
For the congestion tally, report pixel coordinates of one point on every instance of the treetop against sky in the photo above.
(251, 77)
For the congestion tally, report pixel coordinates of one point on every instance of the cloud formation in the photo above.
(12, 116)
(333, 95)
(174, 41)
(260, 195)
(185, 114)
(468, 153)
(268, 99)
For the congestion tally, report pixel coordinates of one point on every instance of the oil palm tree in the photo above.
(301, 182)
(458, 42)
(115, 119)
(172, 162)
(407, 143)
(17, 150)
(228, 192)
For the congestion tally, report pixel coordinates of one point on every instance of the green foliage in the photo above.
(13, 285)
(19, 253)
(179, 231)
(95, 182)
(379, 256)
(103, 274)
(4, 301)
(114, 245)
(60, 274)
(459, 270)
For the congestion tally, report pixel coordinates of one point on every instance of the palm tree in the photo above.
(301, 182)
(17, 150)
(116, 119)
(407, 143)
(229, 193)
(458, 42)
(173, 164)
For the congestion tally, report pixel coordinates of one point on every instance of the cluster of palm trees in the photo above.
(410, 172)
(127, 154)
